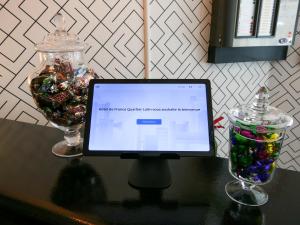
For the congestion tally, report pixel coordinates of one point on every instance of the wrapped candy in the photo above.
(60, 94)
(253, 156)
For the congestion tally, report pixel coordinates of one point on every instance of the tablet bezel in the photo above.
(135, 153)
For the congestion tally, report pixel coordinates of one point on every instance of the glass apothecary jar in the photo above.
(59, 86)
(256, 135)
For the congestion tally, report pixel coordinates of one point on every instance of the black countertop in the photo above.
(37, 187)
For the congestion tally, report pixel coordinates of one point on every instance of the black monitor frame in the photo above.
(138, 154)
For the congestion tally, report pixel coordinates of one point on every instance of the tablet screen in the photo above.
(149, 117)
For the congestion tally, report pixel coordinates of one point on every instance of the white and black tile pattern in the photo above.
(114, 29)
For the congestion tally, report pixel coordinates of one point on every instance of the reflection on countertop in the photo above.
(78, 186)
(237, 214)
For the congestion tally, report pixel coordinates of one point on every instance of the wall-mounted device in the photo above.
(252, 30)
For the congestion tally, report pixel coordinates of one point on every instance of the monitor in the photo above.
(149, 117)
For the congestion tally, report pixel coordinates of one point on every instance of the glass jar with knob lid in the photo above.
(59, 85)
(256, 134)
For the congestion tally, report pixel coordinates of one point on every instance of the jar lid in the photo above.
(260, 114)
(61, 40)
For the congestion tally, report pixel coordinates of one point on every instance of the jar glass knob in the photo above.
(59, 22)
(261, 101)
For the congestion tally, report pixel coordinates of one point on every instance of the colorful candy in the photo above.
(253, 154)
(61, 92)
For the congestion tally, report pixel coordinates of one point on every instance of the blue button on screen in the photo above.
(148, 121)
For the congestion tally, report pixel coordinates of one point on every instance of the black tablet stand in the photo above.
(149, 172)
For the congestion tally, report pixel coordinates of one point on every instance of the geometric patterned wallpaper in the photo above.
(179, 43)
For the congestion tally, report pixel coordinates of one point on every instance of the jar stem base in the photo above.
(65, 150)
(246, 194)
